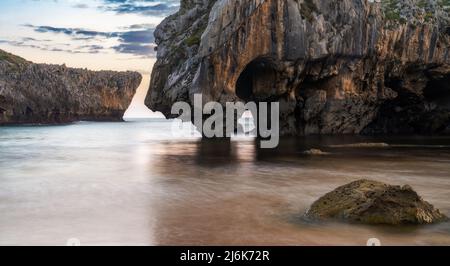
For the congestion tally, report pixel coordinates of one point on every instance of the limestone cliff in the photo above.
(336, 67)
(39, 93)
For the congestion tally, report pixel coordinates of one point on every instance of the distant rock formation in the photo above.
(47, 94)
(372, 202)
(335, 66)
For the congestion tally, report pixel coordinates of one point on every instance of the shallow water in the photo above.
(135, 184)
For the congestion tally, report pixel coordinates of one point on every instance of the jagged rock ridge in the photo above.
(47, 94)
(336, 67)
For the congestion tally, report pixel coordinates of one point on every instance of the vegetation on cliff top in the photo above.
(13, 59)
(416, 11)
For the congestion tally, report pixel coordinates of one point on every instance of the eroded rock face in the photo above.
(372, 202)
(336, 67)
(47, 94)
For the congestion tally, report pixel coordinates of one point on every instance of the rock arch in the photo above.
(258, 80)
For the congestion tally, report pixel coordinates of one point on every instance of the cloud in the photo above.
(72, 31)
(135, 49)
(141, 36)
(139, 26)
(160, 8)
(137, 42)
(82, 6)
(45, 46)
(134, 39)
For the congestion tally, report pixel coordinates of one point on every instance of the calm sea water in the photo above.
(135, 184)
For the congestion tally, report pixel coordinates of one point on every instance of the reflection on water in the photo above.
(134, 184)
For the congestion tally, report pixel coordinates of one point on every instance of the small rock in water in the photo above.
(373, 202)
(315, 152)
(362, 145)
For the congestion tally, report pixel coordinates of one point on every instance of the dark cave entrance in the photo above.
(438, 91)
(257, 81)
(2, 103)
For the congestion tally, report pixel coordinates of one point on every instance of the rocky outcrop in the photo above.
(46, 94)
(372, 202)
(336, 67)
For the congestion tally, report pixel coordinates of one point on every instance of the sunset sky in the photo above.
(95, 34)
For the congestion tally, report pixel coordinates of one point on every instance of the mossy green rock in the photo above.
(372, 202)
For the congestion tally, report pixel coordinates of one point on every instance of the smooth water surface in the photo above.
(136, 184)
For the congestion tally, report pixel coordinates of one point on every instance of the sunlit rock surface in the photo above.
(336, 67)
(47, 94)
(372, 202)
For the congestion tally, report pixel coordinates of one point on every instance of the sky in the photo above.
(93, 34)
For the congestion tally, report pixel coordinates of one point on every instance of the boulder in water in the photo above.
(373, 202)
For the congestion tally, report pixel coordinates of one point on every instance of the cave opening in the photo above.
(394, 83)
(28, 111)
(438, 90)
(257, 81)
